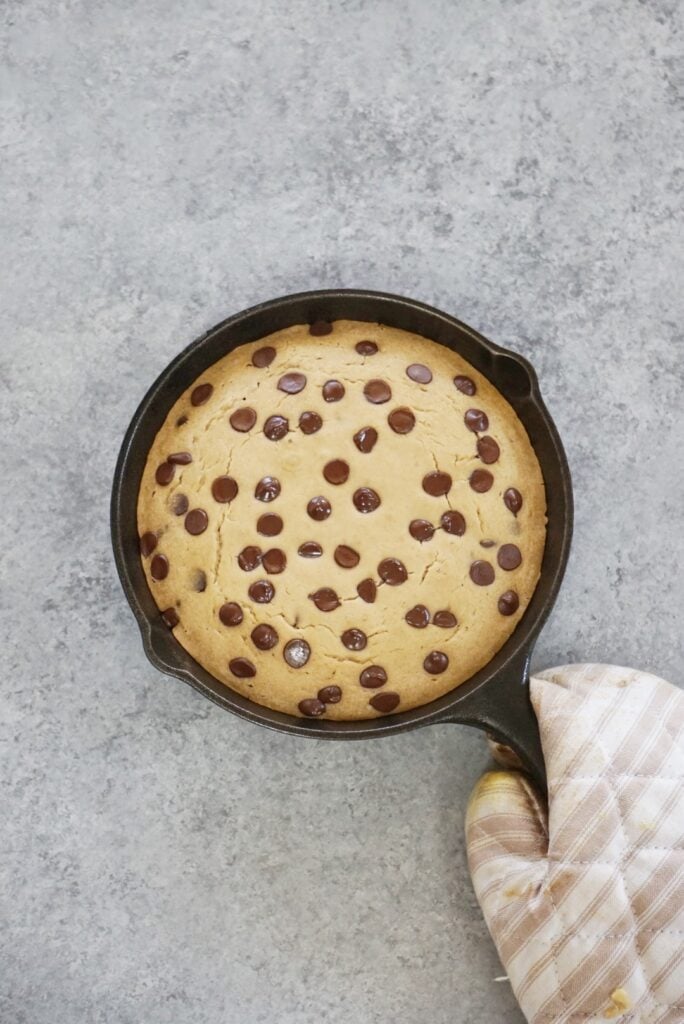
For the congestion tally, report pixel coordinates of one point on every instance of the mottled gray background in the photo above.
(164, 164)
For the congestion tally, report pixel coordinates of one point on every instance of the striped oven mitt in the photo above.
(585, 900)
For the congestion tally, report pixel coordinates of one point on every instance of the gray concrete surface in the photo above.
(162, 165)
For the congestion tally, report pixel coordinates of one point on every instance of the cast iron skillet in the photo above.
(497, 697)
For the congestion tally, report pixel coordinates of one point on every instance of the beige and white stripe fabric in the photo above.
(585, 900)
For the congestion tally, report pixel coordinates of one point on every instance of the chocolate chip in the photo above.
(465, 385)
(179, 504)
(421, 374)
(437, 483)
(196, 521)
(481, 480)
(159, 567)
(230, 614)
(170, 617)
(435, 662)
(487, 543)
(312, 707)
(373, 677)
(392, 572)
(367, 591)
(421, 529)
(292, 383)
(262, 591)
(267, 489)
(325, 599)
(319, 508)
(310, 422)
(377, 391)
(445, 619)
(310, 549)
(402, 421)
(476, 420)
(242, 668)
(181, 420)
(243, 419)
(296, 653)
(453, 522)
(365, 439)
(224, 488)
(346, 557)
(481, 573)
(366, 348)
(276, 427)
(249, 558)
(269, 525)
(148, 543)
(201, 394)
(274, 561)
(330, 695)
(488, 449)
(199, 581)
(333, 391)
(509, 602)
(418, 616)
(180, 458)
(320, 327)
(336, 471)
(366, 499)
(386, 701)
(263, 357)
(264, 637)
(513, 500)
(509, 556)
(354, 639)
(164, 474)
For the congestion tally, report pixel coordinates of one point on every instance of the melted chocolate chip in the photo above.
(274, 561)
(199, 581)
(421, 529)
(419, 373)
(367, 590)
(437, 484)
(267, 489)
(242, 668)
(296, 653)
(509, 602)
(319, 508)
(310, 549)
(243, 420)
(224, 488)
(445, 619)
(310, 422)
(179, 504)
(513, 500)
(325, 599)
(180, 458)
(164, 474)
(384, 702)
(346, 557)
(276, 427)
(402, 421)
(159, 567)
(292, 383)
(488, 449)
(392, 572)
(354, 639)
(148, 543)
(509, 556)
(170, 617)
(263, 357)
(264, 637)
(365, 439)
(201, 394)
(196, 521)
(482, 573)
(366, 348)
(336, 471)
(476, 420)
(269, 525)
(249, 558)
(330, 695)
(230, 614)
(377, 391)
(312, 707)
(481, 480)
(373, 677)
(465, 385)
(261, 591)
(366, 499)
(418, 616)
(319, 328)
(333, 391)
(181, 420)
(487, 543)
(453, 522)
(435, 662)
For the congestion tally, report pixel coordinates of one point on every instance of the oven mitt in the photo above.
(585, 899)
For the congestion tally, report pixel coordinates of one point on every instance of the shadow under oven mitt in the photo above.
(585, 900)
